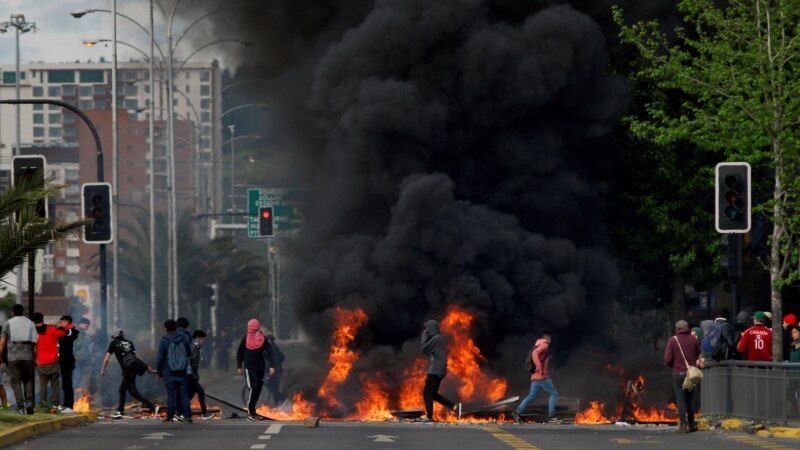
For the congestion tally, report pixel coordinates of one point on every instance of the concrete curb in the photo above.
(22, 432)
(749, 427)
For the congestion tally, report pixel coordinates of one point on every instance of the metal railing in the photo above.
(754, 390)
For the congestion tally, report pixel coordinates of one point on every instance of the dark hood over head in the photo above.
(432, 327)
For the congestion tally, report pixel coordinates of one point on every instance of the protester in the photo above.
(756, 341)
(121, 347)
(434, 347)
(540, 378)
(20, 335)
(198, 339)
(794, 354)
(273, 382)
(66, 361)
(789, 322)
(3, 377)
(252, 359)
(683, 350)
(85, 350)
(728, 341)
(183, 328)
(174, 367)
(47, 361)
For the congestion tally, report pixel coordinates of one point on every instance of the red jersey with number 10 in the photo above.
(756, 343)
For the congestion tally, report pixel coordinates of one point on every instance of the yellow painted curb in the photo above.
(23, 432)
(785, 432)
(732, 425)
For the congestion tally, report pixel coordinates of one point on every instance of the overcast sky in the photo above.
(59, 37)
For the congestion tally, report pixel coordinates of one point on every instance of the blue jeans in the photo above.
(541, 385)
(174, 384)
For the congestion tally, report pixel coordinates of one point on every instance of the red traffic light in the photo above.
(265, 214)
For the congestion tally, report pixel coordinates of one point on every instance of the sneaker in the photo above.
(21, 411)
(179, 416)
(184, 419)
(516, 416)
(207, 416)
(253, 417)
(66, 411)
(457, 410)
(117, 415)
(29, 410)
(155, 411)
(58, 408)
(425, 418)
(553, 419)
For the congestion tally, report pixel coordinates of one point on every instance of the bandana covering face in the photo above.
(255, 339)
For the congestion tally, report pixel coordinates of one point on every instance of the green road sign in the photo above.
(284, 202)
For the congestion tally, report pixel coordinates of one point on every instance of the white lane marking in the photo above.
(265, 436)
(274, 429)
(258, 446)
(382, 438)
(159, 436)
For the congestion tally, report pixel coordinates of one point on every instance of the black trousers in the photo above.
(431, 393)
(196, 388)
(66, 382)
(684, 398)
(255, 381)
(129, 385)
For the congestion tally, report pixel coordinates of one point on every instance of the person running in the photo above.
(198, 339)
(434, 347)
(47, 362)
(120, 347)
(252, 359)
(66, 362)
(174, 367)
(540, 379)
(19, 336)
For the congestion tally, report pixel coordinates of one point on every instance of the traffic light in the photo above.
(732, 186)
(96, 206)
(27, 167)
(212, 291)
(265, 216)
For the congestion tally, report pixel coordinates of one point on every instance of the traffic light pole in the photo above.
(102, 250)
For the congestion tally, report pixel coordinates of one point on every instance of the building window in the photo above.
(187, 74)
(53, 91)
(99, 104)
(130, 103)
(146, 88)
(131, 89)
(205, 76)
(55, 131)
(11, 77)
(205, 103)
(187, 88)
(91, 76)
(86, 91)
(174, 102)
(60, 76)
(205, 116)
(68, 90)
(38, 131)
(38, 107)
(85, 104)
(99, 89)
(129, 147)
(68, 118)
(38, 118)
(54, 118)
(38, 91)
(205, 90)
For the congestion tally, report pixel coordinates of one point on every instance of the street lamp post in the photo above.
(115, 165)
(232, 128)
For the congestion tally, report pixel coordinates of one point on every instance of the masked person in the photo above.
(253, 358)
(434, 347)
(66, 361)
(198, 339)
(121, 347)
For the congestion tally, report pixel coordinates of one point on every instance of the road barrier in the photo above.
(754, 390)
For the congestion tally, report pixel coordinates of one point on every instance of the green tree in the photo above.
(22, 232)
(731, 73)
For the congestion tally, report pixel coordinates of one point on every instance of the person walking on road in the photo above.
(174, 367)
(198, 338)
(254, 358)
(121, 347)
(434, 347)
(20, 337)
(756, 341)
(47, 362)
(540, 378)
(66, 362)
(273, 382)
(681, 349)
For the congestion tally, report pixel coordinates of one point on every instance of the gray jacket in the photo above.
(434, 348)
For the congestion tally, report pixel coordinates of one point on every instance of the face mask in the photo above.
(198, 344)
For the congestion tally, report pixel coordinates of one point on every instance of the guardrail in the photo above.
(754, 390)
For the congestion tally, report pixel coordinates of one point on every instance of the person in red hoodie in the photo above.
(47, 360)
(683, 350)
(756, 341)
(540, 379)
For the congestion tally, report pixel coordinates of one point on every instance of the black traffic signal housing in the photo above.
(732, 187)
(27, 167)
(96, 206)
(265, 221)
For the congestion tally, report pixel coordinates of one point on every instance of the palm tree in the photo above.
(22, 231)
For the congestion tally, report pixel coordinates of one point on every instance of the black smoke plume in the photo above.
(454, 152)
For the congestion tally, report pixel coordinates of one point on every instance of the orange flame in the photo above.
(374, 405)
(84, 402)
(341, 358)
(300, 409)
(410, 396)
(593, 415)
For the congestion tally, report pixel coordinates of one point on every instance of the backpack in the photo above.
(714, 343)
(177, 359)
(529, 366)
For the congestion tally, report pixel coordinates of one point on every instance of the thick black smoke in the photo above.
(455, 152)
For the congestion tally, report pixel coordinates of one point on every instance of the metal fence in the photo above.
(755, 390)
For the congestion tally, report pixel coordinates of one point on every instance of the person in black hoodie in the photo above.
(198, 338)
(66, 362)
(119, 347)
(273, 382)
(434, 348)
(252, 359)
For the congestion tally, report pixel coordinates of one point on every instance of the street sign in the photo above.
(287, 218)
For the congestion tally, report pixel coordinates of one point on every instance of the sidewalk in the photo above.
(28, 430)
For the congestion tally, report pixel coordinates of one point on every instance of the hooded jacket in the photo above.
(162, 365)
(434, 348)
(541, 360)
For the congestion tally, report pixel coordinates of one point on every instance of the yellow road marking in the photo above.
(511, 440)
(755, 442)
(625, 441)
